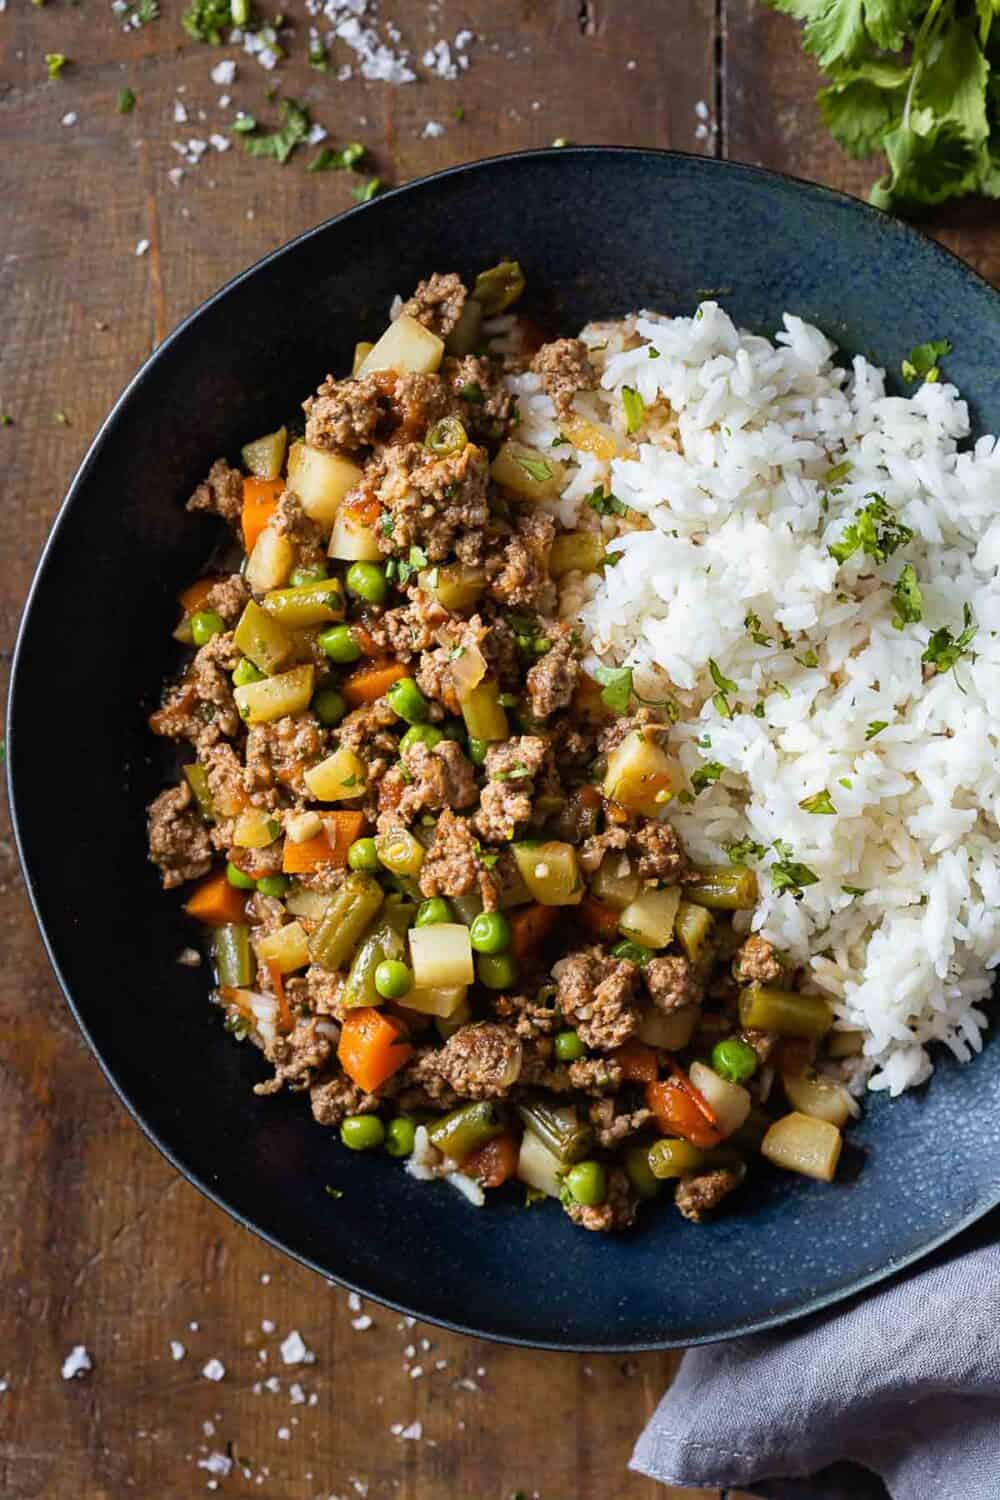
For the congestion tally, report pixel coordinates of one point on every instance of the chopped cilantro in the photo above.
(907, 600)
(837, 473)
(875, 727)
(634, 952)
(853, 890)
(55, 62)
(387, 523)
(789, 874)
(874, 531)
(282, 142)
(743, 850)
(333, 1192)
(819, 802)
(366, 191)
(535, 468)
(923, 361)
(126, 101)
(725, 685)
(845, 781)
(751, 623)
(808, 659)
(944, 650)
(243, 124)
(317, 55)
(344, 160)
(605, 503)
(459, 113)
(617, 683)
(706, 775)
(208, 20)
(635, 408)
(685, 797)
(653, 353)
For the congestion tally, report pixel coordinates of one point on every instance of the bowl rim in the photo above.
(598, 153)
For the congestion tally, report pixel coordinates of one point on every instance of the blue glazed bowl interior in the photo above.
(600, 232)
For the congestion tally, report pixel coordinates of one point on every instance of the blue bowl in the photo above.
(599, 232)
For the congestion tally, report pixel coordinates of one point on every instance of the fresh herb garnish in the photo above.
(366, 191)
(706, 775)
(807, 659)
(751, 623)
(837, 473)
(317, 57)
(207, 21)
(874, 531)
(472, 392)
(243, 124)
(55, 62)
(635, 408)
(617, 683)
(605, 503)
(907, 600)
(944, 649)
(923, 361)
(282, 142)
(634, 952)
(819, 802)
(743, 850)
(535, 468)
(875, 727)
(329, 159)
(333, 1192)
(788, 874)
(725, 685)
(125, 102)
(853, 890)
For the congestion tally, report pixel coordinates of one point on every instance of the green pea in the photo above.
(477, 751)
(393, 979)
(400, 1135)
(311, 574)
(406, 700)
(362, 856)
(433, 911)
(497, 971)
(339, 644)
(587, 1183)
(640, 1174)
(362, 1132)
(421, 734)
(245, 672)
(329, 706)
(734, 1059)
(569, 1047)
(236, 877)
(490, 932)
(366, 580)
(204, 624)
(274, 885)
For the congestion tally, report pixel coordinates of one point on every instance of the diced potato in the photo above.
(464, 337)
(589, 437)
(255, 829)
(441, 956)
(729, 1102)
(400, 851)
(287, 949)
(321, 480)
(303, 826)
(274, 697)
(483, 712)
(454, 586)
(672, 1031)
(613, 887)
(264, 457)
(528, 473)
(550, 871)
(352, 541)
(640, 775)
(693, 929)
(576, 552)
(263, 639)
(538, 1167)
(362, 349)
(339, 778)
(271, 561)
(310, 905)
(649, 919)
(816, 1096)
(309, 604)
(406, 346)
(801, 1144)
(444, 1000)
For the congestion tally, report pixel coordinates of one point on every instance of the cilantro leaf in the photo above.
(724, 684)
(55, 62)
(922, 363)
(617, 683)
(874, 531)
(605, 503)
(366, 191)
(907, 600)
(281, 144)
(535, 468)
(751, 623)
(706, 775)
(207, 20)
(860, 110)
(635, 408)
(944, 649)
(125, 102)
(875, 727)
(819, 802)
(789, 874)
(743, 850)
(331, 160)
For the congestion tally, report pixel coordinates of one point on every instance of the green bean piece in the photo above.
(558, 1130)
(587, 1183)
(329, 706)
(569, 1047)
(477, 751)
(400, 1136)
(245, 672)
(499, 287)
(734, 1059)
(400, 852)
(351, 908)
(393, 979)
(446, 437)
(722, 888)
(386, 940)
(236, 877)
(764, 1008)
(407, 701)
(362, 1132)
(490, 932)
(693, 929)
(320, 602)
(645, 1184)
(339, 644)
(464, 1130)
(274, 885)
(197, 779)
(362, 855)
(314, 573)
(497, 971)
(366, 580)
(421, 734)
(436, 909)
(234, 958)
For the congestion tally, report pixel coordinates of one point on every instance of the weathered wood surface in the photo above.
(103, 1244)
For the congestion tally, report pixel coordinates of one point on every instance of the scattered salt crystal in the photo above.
(396, 1429)
(266, 1326)
(208, 1428)
(465, 1384)
(294, 1351)
(425, 1344)
(194, 1327)
(177, 1349)
(70, 118)
(409, 1351)
(225, 100)
(440, 1364)
(313, 1398)
(416, 1372)
(284, 1433)
(432, 130)
(180, 113)
(316, 134)
(481, 1371)
(265, 1278)
(224, 72)
(214, 1370)
(273, 1384)
(220, 142)
(77, 1362)
(414, 1432)
(4, 1386)
(631, 65)
(362, 1323)
(410, 1322)
(296, 1394)
(262, 1356)
(462, 40)
(354, 1301)
(142, 247)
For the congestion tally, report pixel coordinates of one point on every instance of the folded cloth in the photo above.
(903, 1382)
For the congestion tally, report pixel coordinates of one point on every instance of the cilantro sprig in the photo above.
(280, 144)
(922, 363)
(943, 649)
(875, 531)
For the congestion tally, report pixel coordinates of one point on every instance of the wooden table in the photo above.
(100, 254)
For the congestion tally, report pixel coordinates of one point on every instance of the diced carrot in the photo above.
(638, 1062)
(600, 921)
(217, 902)
(364, 508)
(278, 985)
(193, 597)
(342, 829)
(530, 926)
(493, 1163)
(260, 501)
(330, 847)
(677, 1113)
(369, 683)
(372, 1047)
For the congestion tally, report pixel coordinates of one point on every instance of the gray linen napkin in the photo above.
(903, 1382)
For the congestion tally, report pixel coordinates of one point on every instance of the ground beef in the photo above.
(297, 1057)
(593, 850)
(531, 1016)
(438, 778)
(596, 1075)
(519, 578)
(418, 402)
(505, 801)
(258, 862)
(335, 1099)
(438, 504)
(482, 1061)
(365, 730)
(565, 368)
(596, 994)
(756, 962)
(437, 302)
(452, 866)
(616, 1212)
(574, 745)
(619, 729)
(488, 406)
(405, 631)
(277, 755)
(228, 597)
(178, 839)
(226, 784)
(659, 853)
(552, 680)
(422, 1085)
(612, 1129)
(201, 707)
(434, 678)
(221, 493)
(346, 414)
(324, 991)
(305, 535)
(265, 914)
(672, 983)
(697, 1196)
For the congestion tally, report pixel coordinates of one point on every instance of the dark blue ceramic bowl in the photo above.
(599, 232)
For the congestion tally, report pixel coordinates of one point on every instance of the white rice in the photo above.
(729, 469)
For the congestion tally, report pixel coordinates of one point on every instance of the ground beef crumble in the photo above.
(438, 504)
(221, 494)
(565, 368)
(437, 303)
(697, 1196)
(596, 994)
(756, 962)
(178, 839)
(453, 865)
